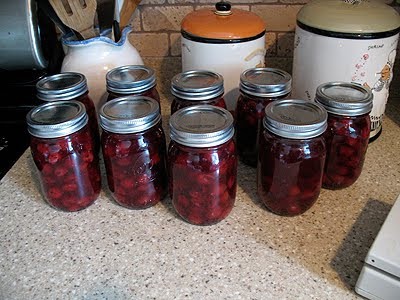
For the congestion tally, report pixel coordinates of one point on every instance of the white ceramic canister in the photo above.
(346, 40)
(95, 57)
(223, 40)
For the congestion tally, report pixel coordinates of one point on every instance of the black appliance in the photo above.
(18, 89)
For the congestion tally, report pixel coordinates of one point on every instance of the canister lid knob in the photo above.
(223, 8)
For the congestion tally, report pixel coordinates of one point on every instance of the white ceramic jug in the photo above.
(95, 57)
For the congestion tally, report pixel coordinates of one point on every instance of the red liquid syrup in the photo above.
(290, 173)
(136, 166)
(152, 93)
(203, 181)
(347, 141)
(250, 110)
(69, 169)
(181, 103)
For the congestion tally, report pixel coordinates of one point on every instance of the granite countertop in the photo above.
(109, 252)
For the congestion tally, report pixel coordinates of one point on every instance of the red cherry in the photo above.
(54, 193)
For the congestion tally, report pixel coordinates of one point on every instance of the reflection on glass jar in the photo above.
(134, 151)
(291, 156)
(197, 87)
(258, 88)
(63, 151)
(347, 135)
(202, 164)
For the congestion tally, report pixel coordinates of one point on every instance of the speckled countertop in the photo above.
(109, 252)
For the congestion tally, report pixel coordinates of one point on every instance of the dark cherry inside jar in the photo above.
(291, 156)
(348, 131)
(134, 151)
(197, 87)
(202, 164)
(63, 151)
(258, 88)
(132, 80)
(70, 86)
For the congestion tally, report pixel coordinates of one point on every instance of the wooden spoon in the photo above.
(127, 10)
(77, 16)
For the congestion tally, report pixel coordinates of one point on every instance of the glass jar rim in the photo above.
(62, 86)
(295, 118)
(197, 85)
(130, 114)
(130, 79)
(265, 82)
(344, 98)
(56, 119)
(201, 126)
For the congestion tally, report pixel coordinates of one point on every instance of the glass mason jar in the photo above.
(63, 150)
(258, 88)
(134, 151)
(202, 165)
(291, 156)
(131, 80)
(70, 86)
(197, 87)
(347, 136)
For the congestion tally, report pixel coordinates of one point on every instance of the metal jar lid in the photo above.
(129, 114)
(56, 119)
(265, 82)
(197, 85)
(344, 98)
(201, 126)
(294, 118)
(130, 79)
(63, 86)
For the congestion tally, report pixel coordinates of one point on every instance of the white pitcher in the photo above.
(95, 57)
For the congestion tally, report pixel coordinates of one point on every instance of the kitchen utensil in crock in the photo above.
(127, 10)
(346, 40)
(45, 6)
(77, 16)
(105, 14)
(224, 40)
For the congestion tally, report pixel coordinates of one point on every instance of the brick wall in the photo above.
(156, 32)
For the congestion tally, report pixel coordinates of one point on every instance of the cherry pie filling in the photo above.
(202, 181)
(69, 170)
(136, 167)
(347, 142)
(289, 173)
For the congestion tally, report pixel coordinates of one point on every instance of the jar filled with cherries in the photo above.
(202, 164)
(291, 156)
(347, 136)
(63, 151)
(197, 87)
(132, 80)
(258, 88)
(134, 151)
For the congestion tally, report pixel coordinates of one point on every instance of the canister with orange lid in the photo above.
(225, 40)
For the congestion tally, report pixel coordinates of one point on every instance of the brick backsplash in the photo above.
(156, 32)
